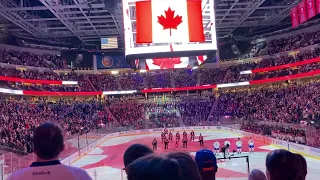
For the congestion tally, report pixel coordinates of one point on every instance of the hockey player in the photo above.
(216, 146)
(185, 141)
(170, 136)
(166, 143)
(184, 134)
(192, 136)
(163, 136)
(227, 145)
(201, 140)
(177, 136)
(154, 144)
(251, 145)
(239, 146)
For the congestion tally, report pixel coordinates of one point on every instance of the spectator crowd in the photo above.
(20, 117)
(30, 59)
(162, 79)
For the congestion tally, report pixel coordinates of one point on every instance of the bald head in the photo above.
(48, 141)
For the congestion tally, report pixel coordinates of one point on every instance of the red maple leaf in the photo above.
(166, 63)
(170, 21)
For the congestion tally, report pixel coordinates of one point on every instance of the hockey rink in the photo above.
(106, 160)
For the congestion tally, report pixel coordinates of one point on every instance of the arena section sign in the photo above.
(296, 148)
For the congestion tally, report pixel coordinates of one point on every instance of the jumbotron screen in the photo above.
(169, 28)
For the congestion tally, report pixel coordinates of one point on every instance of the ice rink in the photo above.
(106, 161)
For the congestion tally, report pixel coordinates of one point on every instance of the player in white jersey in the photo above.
(239, 146)
(48, 144)
(227, 145)
(216, 146)
(251, 145)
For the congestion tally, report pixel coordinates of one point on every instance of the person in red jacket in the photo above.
(177, 136)
(154, 144)
(184, 133)
(185, 142)
(163, 136)
(192, 136)
(201, 140)
(170, 136)
(166, 143)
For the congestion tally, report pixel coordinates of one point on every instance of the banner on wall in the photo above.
(111, 61)
(311, 8)
(294, 17)
(302, 12)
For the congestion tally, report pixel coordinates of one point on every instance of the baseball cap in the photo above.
(206, 160)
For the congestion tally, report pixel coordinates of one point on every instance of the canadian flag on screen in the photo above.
(167, 63)
(163, 21)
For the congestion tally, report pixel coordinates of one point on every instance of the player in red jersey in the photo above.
(185, 141)
(201, 140)
(166, 143)
(192, 136)
(184, 133)
(154, 144)
(170, 136)
(163, 136)
(177, 136)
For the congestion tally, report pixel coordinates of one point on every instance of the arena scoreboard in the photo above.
(165, 30)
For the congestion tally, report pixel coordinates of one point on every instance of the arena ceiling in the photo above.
(86, 21)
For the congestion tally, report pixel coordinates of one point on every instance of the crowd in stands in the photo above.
(212, 76)
(128, 113)
(159, 79)
(104, 82)
(285, 103)
(287, 59)
(83, 86)
(186, 78)
(163, 79)
(162, 114)
(292, 42)
(30, 59)
(277, 61)
(195, 111)
(235, 77)
(19, 118)
(289, 103)
(131, 81)
(295, 135)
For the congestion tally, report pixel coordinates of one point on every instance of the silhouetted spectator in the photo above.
(48, 143)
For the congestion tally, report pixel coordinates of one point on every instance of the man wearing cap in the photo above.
(47, 145)
(207, 164)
